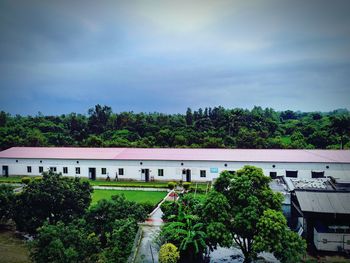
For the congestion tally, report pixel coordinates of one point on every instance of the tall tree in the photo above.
(53, 198)
(249, 197)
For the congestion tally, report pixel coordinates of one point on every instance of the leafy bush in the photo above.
(120, 241)
(171, 185)
(6, 202)
(168, 253)
(53, 198)
(169, 208)
(101, 217)
(186, 185)
(25, 180)
(61, 243)
(148, 206)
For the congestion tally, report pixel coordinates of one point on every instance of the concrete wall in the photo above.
(172, 169)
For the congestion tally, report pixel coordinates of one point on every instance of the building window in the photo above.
(160, 172)
(293, 174)
(77, 170)
(182, 164)
(65, 170)
(103, 171)
(29, 169)
(184, 171)
(41, 161)
(41, 169)
(121, 171)
(273, 166)
(77, 161)
(225, 164)
(140, 163)
(317, 174)
(53, 169)
(327, 166)
(273, 175)
(203, 173)
(16, 161)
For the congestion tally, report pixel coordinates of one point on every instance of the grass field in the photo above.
(12, 249)
(137, 196)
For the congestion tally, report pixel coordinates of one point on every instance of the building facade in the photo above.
(171, 164)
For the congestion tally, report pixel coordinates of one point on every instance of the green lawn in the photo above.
(137, 196)
(12, 249)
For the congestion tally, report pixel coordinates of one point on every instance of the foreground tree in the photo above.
(101, 217)
(53, 198)
(274, 236)
(6, 202)
(248, 197)
(61, 243)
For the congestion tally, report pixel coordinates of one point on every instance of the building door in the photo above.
(92, 173)
(5, 170)
(347, 242)
(188, 175)
(146, 175)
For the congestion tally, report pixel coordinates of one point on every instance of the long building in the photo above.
(172, 164)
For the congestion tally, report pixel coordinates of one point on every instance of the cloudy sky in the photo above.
(66, 56)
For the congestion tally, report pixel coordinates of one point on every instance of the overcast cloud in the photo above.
(64, 56)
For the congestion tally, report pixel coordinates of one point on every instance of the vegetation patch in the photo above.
(131, 195)
(12, 249)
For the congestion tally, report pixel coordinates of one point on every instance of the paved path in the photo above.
(148, 250)
(149, 189)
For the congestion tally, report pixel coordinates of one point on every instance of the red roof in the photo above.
(177, 154)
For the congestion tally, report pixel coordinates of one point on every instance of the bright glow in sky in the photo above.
(66, 56)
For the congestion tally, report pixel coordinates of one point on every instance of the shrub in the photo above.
(186, 185)
(168, 253)
(25, 180)
(148, 206)
(171, 185)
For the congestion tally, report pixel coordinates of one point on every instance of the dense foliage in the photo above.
(6, 202)
(168, 253)
(241, 210)
(209, 128)
(60, 243)
(53, 198)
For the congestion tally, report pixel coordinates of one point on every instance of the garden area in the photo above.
(150, 197)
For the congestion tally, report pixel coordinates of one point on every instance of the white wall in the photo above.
(172, 169)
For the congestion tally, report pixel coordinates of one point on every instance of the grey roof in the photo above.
(324, 202)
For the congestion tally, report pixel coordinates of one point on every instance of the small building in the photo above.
(323, 215)
(172, 164)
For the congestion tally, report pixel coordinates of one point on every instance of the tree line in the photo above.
(216, 127)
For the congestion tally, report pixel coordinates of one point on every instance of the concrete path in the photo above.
(149, 189)
(148, 250)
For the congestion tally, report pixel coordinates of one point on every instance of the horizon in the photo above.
(63, 57)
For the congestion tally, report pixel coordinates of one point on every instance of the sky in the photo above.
(66, 56)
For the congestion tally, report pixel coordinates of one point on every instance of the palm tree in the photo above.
(188, 235)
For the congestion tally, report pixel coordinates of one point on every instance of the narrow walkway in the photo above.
(149, 189)
(148, 250)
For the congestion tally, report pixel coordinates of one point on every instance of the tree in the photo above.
(62, 243)
(248, 195)
(168, 253)
(101, 217)
(98, 118)
(53, 198)
(189, 117)
(274, 236)
(340, 125)
(6, 202)
(120, 241)
(186, 233)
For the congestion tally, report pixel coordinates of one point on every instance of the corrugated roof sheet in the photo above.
(233, 155)
(324, 202)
